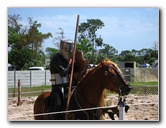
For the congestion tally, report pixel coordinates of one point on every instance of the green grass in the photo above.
(28, 91)
(143, 88)
(143, 83)
(138, 88)
(25, 89)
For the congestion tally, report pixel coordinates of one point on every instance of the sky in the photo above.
(124, 28)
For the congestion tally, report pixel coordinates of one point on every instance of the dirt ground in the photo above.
(142, 108)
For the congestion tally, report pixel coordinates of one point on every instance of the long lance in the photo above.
(72, 68)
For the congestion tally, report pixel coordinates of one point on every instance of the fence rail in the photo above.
(32, 81)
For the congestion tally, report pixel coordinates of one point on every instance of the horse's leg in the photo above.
(39, 105)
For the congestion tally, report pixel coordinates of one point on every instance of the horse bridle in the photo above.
(106, 72)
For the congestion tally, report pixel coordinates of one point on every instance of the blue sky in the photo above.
(125, 28)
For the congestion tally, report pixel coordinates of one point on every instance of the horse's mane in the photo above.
(108, 62)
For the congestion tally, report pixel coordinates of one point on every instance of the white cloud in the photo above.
(53, 22)
(125, 27)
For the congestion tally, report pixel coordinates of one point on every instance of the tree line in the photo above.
(25, 45)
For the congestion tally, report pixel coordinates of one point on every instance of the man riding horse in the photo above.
(60, 68)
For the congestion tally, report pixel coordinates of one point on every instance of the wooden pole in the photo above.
(72, 69)
(19, 93)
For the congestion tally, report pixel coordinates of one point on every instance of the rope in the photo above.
(28, 92)
(106, 107)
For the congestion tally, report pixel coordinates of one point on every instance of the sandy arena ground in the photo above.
(142, 108)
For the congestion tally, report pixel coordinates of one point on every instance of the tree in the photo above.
(34, 37)
(84, 46)
(25, 43)
(60, 36)
(155, 50)
(135, 52)
(127, 55)
(51, 52)
(88, 30)
(108, 51)
(14, 31)
(142, 56)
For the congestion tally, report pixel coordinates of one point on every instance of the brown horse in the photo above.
(89, 93)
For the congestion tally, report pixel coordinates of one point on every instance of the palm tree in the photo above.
(84, 46)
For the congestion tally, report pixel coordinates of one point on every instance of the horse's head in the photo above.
(113, 76)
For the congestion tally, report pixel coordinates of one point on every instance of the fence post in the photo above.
(14, 93)
(121, 110)
(30, 78)
(45, 77)
(19, 93)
